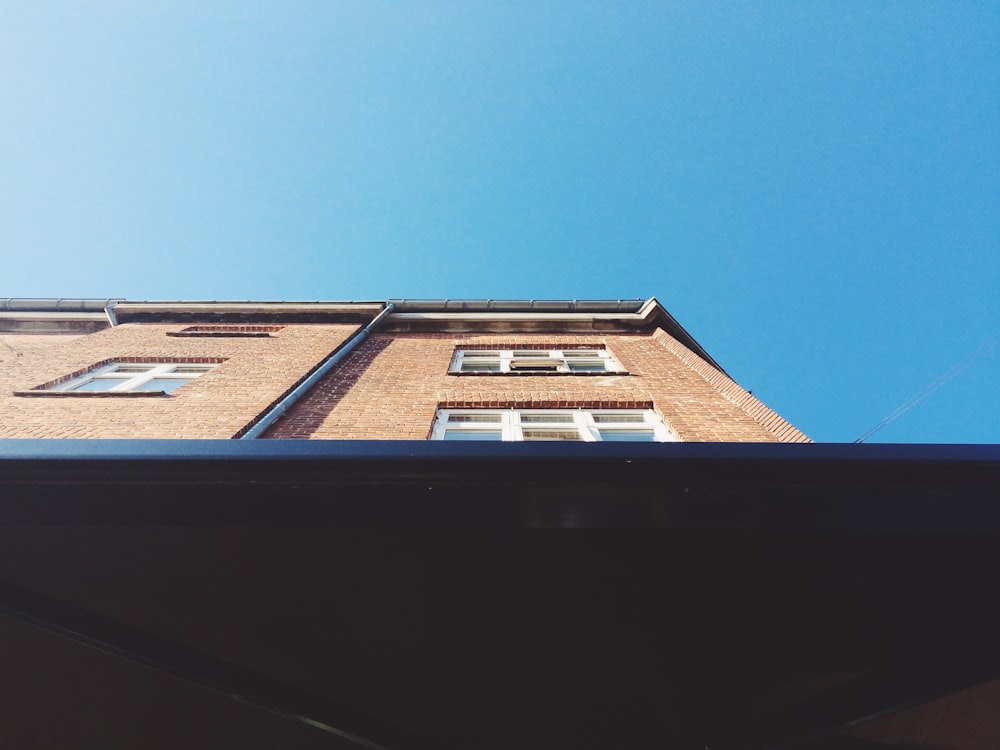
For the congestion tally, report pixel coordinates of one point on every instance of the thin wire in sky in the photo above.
(957, 369)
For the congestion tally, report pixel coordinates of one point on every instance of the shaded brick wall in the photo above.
(255, 373)
(391, 386)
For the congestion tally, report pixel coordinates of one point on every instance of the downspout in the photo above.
(109, 311)
(273, 414)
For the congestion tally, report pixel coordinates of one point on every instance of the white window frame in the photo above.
(155, 371)
(587, 423)
(545, 361)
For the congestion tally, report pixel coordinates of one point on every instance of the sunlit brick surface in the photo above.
(393, 383)
(256, 372)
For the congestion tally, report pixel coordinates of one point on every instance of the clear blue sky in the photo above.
(810, 188)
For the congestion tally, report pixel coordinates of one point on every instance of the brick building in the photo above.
(471, 370)
(340, 553)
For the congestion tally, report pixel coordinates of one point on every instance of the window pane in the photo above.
(162, 384)
(100, 384)
(133, 367)
(570, 353)
(536, 434)
(586, 366)
(533, 355)
(546, 419)
(480, 366)
(618, 418)
(622, 436)
(494, 418)
(193, 368)
(473, 435)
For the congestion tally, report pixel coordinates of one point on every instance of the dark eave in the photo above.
(401, 594)
(777, 486)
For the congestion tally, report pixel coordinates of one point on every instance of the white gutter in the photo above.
(519, 316)
(54, 316)
(273, 414)
(550, 311)
(125, 308)
(405, 306)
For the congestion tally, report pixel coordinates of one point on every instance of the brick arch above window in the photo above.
(227, 331)
(461, 400)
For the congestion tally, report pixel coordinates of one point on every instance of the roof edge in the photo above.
(654, 310)
(57, 313)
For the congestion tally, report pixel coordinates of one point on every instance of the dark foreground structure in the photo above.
(421, 594)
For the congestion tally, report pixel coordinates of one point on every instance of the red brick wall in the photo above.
(13, 345)
(391, 386)
(255, 373)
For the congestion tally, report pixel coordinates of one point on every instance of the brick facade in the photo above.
(388, 388)
(254, 372)
(392, 385)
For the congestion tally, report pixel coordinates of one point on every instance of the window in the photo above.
(534, 362)
(147, 377)
(607, 425)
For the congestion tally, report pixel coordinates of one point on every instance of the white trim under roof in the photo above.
(222, 308)
(81, 315)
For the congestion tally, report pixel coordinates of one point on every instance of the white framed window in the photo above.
(534, 361)
(582, 425)
(122, 377)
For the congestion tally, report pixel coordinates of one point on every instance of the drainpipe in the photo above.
(109, 311)
(278, 410)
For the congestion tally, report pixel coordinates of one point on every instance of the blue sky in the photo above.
(810, 188)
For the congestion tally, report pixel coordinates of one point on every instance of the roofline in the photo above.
(56, 304)
(452, 306)
(634, 313)
(173, 310)
(477, 306)
(669, 323)
(62, 314)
